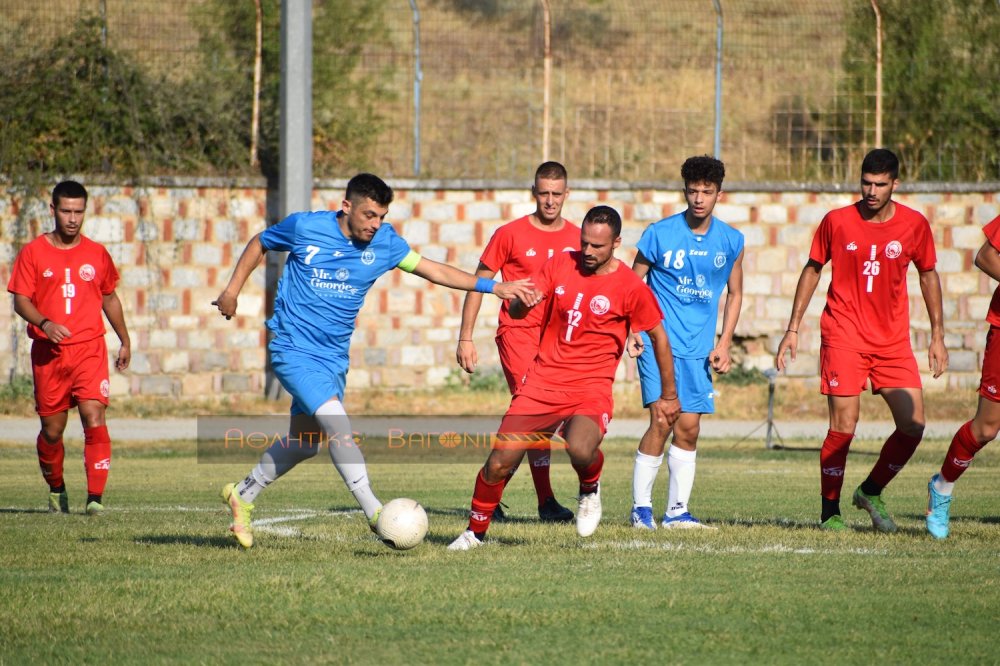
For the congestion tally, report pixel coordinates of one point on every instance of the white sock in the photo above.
(942, 486)
(346, 456)
(643, 477)
(280, 457)
(681, 464)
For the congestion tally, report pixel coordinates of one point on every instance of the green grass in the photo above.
(158, 580)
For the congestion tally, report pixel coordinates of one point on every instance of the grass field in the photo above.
(158, 580)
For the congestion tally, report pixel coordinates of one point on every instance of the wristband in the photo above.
(484, 285)
(790, 330)
(42, 323)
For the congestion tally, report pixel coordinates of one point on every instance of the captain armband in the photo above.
(409, 262)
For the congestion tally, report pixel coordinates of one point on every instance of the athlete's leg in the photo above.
(681, 462)
(51, 451)
(844, 412)
(96, 451)
(907, 407)
(649, 456)
(347, 456)
(583, 440)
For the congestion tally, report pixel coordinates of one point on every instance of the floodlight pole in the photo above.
(718, 79)
(295, 178)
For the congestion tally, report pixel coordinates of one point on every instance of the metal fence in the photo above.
(635, 85)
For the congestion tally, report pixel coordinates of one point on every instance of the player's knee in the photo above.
(497, 470)
(914, 429)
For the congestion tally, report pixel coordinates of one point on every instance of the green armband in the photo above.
(409, 262)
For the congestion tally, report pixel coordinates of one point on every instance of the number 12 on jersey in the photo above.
(573, 317)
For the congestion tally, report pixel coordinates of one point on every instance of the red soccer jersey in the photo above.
(586, 320)
(992, 231)
(867, 305)
(518, 249)
(67, 286)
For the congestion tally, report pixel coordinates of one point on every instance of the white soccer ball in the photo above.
(402, 524)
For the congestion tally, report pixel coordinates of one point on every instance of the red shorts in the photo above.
(989, 385)
(517, 348)
(538, 413)
(845, 372)
(66, 375)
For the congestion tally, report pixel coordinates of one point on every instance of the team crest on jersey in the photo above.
(105, 388)
(560, 290)
(368, 257)
(600, 305)
(342, 274)
(87, 272)
(47, 273)
(893, 249)
(852, 246)
(720, 259)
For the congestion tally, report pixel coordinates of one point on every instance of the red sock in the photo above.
(896, 451)
(963, 449)
(590, 475)
(540, 461)
(96, 458)
(485, 498)
(50, 459)
(833, 462)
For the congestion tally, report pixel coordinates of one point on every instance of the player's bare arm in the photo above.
(719, 357)
(803, 294)
(640, 266)
(988, 260)
(26, 310)
(449, 276)
(112, 307)
(937, 354)
(252, 256)
(668, 407)
(466, 353)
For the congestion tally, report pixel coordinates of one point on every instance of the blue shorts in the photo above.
(693, 377)
(311, 380)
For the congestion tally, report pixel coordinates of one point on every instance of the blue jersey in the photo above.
(688, 274)
(325, 279)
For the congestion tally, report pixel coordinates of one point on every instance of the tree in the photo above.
(941, 67)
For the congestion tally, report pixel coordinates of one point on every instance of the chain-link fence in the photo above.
(784, 88)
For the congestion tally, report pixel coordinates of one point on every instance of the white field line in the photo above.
(764, 549)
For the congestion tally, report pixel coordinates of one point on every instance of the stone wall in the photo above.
(176, 243)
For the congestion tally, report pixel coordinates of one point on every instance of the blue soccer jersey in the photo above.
(688, 273)
(325, 280)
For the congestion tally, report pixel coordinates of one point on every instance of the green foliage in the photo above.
(940, 72)
(77, 106)
(486, 380)
(739, 375)
(16, 392)
(346, 120)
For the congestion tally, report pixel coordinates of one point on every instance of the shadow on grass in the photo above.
(187, 540)
(12, 509)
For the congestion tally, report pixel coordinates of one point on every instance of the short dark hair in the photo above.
(881, 160)
(368, 186)
(703, 169)
(605, 215)
(551, 171)
(68, 189)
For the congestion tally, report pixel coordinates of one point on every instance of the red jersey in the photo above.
(992, 231)
(67, 286)
(586, 320)
(518, 249)
(867, 304)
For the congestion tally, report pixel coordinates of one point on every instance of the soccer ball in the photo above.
(402, 524)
